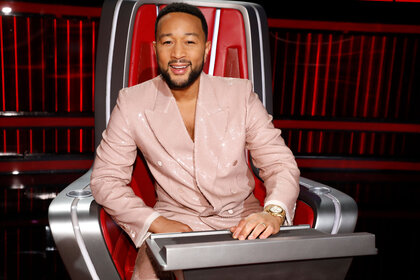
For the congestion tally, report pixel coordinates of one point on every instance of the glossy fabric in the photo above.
(205, 183)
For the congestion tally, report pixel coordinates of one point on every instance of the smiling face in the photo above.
(181, 49)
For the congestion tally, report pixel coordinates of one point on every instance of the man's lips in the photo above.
(179, 68)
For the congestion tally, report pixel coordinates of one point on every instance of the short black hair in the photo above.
(183, 8)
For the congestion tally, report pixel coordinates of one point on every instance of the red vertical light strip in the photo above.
(359, 75)
(2, 65)
(379, 84)
(337, 74)
(391, 68)
(68, 140)
(318, 54)
(68, 81)
(274, 60)
(283, 81)
(295, 74)
(16, 65)
(351, 142)
(300, 142)
(81, 140)
(18, 141)
(30, 142)
(401, 80)
(369, 77)
(321, 141)
(28, 27)
(412, 75)
(362, 143)
(42, 65)
(43, 141)
(326, 77)
(309, 140)
(56, 140)
(4, 141)
(68, 65)
(81, 63)
(55, 66)
(93, 66)
(305, 72)
(348, 77)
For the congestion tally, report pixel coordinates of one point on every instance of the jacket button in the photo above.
(230, 211)
(159, 163)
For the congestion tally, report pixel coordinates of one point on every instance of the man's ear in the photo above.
(207, 50)
(154, 46)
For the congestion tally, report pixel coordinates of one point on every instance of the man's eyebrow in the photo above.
(192, 34)
(186, 34)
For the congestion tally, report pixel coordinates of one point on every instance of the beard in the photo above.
(192, 77)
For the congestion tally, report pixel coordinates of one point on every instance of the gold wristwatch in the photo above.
(276, 211)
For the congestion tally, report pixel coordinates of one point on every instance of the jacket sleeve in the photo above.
(112, 170)
(275, 161)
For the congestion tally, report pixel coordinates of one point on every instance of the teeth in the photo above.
(179, 67)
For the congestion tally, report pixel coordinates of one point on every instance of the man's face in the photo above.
(180, 49)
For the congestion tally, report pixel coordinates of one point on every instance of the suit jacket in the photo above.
(205, 183)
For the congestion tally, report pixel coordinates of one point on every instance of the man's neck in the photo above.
(186, 94)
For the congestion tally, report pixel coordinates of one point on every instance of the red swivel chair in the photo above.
(91, 245)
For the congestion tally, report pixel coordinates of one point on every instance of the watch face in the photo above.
(276, 209)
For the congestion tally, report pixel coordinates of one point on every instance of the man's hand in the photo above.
(162, 225)
(258, 224)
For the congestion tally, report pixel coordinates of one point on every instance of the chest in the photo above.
(187, 112)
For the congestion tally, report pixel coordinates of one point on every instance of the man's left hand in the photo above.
(260, 225)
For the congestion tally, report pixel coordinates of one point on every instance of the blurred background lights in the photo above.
(6, 10)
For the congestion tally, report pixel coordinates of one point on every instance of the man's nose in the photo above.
(178, 51)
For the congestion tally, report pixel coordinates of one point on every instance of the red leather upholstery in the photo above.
(143, 62)
(120, 247)
(231, 46)
(231, 61)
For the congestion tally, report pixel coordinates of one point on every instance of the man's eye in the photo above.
(166, 42)
(190, 42)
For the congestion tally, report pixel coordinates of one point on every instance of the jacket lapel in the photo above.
(210, 129)
(168, 127)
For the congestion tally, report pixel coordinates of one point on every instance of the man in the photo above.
(193, 131)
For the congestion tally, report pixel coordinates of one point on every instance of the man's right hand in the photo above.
(162, 225)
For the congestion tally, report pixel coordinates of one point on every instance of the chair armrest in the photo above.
(334, 211)
(74, 219)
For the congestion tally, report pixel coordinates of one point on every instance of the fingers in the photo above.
(249, 228)
(267, 232)
(258, 225)
(259, 229)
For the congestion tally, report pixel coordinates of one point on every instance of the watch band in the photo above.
(275, 210)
